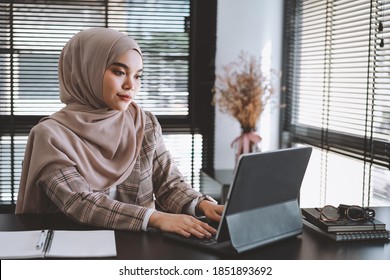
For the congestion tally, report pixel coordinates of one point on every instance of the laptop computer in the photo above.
(262, 203)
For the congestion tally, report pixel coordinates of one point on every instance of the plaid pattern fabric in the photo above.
(155, 176)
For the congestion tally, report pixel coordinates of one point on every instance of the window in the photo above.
(32, 35)
(337, 62)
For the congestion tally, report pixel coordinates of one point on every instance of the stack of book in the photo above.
(345, 230)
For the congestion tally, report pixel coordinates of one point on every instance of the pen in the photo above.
(41, 240)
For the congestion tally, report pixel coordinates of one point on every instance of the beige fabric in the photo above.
(101, 143)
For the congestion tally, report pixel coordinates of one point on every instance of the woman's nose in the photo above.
(128, 84)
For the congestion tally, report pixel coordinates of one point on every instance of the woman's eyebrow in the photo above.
(121, 65)
(125, 66)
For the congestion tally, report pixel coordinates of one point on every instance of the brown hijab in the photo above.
(101, 143)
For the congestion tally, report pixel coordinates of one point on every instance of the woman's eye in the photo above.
(119, 72)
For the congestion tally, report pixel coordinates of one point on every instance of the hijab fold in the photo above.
(103, 144)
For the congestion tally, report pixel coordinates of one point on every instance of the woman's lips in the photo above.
(124, 97)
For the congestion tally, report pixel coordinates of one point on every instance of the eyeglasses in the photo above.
(329, 213)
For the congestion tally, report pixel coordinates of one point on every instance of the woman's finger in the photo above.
(198, 228)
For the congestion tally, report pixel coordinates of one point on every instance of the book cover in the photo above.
(350, 235)
(313, 215)
(35, 244)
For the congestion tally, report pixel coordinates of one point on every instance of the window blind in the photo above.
(32, 34)
(337, 86)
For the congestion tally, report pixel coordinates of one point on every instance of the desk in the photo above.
(152, 245)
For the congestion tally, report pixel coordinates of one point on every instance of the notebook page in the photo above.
(20, 244)
(82, 244)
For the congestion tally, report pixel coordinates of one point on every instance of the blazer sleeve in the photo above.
(71, 193)
(171, 190)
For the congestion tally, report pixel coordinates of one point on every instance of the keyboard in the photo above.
(199, 242)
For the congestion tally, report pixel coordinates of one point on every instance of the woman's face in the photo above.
(122, 80)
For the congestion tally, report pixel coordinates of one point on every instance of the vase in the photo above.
(247, 142)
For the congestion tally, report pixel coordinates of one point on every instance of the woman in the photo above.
(101, 159)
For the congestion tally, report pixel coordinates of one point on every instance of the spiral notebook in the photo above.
(36, 244)
(350, 235)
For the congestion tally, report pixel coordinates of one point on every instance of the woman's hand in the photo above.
(211, 210)
(182, 224)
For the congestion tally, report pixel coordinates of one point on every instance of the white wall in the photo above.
(255, 26)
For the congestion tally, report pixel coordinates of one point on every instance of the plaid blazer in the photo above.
(154, 179)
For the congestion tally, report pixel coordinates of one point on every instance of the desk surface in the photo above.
(152, 245)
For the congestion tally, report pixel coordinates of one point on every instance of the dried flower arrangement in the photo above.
(242, 91)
